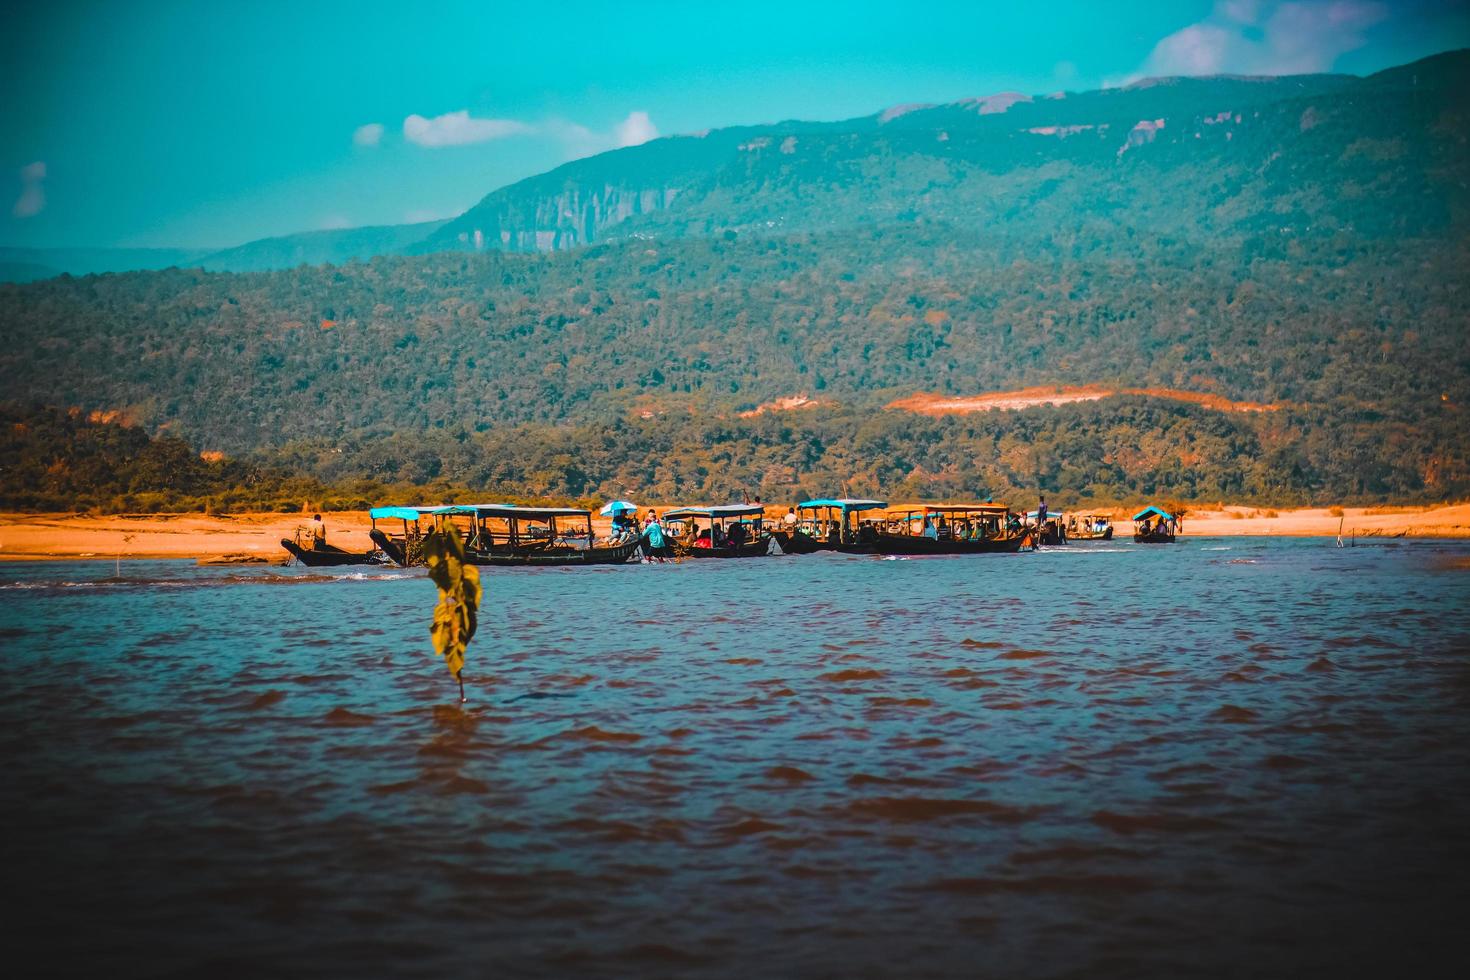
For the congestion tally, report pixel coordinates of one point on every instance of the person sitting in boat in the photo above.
(790, 519)
(704, 539)
(942, 529)
(928, 530)
(736, 536)
(717, 536)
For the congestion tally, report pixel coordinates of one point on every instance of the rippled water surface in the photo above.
(1223, 757)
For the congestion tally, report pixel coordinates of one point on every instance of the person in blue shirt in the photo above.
(1040, 522)
(653, 533)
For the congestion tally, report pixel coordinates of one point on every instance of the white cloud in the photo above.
(459, 129)
(1267, 37)
(368, 135)
(462, 129)
(32, 190)
(335, 222)
(636, 129)
(581, 141)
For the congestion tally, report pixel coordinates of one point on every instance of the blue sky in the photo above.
(195, 124)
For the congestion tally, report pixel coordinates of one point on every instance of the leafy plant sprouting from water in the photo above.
(117, 567)
(457, 614)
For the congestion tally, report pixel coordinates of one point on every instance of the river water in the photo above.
(1225, 757)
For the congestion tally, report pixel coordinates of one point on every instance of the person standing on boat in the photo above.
(1040, 522)
(318, 531)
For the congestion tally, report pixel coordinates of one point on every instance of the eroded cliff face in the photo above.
(576, 216)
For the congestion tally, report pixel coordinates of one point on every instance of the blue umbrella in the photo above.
(617, 507)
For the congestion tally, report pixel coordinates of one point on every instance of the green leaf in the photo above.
(456, 616)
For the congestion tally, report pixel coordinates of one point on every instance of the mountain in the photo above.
(1197, 157)
(332, 247)
(25, 264)
(1271, 269)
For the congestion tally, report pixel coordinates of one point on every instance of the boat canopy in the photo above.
(934, 509)
(1153, 510)
(716, 513)
(1051, 515)
(844, 504)
(405, 513)
(516, 512)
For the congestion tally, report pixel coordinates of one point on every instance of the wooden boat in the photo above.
(327, 556)
(1089, 527)
(1153, 525)
(706, 532)
(957, 529)
(503, 535)
(1054, 531)
(829, 524)
(403, 549)
(508, 535)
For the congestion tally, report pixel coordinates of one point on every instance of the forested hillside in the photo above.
(1295, 242)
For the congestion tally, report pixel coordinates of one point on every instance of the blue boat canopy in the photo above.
(1153, 510)
(845, 504)
(1051, 515)
(404, 513)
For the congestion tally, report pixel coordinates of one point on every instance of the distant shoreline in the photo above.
(39, 537)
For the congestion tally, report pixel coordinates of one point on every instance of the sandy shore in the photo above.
(41, 536)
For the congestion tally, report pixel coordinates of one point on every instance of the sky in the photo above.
(203, 124)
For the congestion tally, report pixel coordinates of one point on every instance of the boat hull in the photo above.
(1153, 537)
(800, 543)
(899, 544)
(328, 557)
(758, 548)
(557, 557)
(389, 547)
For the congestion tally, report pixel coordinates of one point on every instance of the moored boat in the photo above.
(1153, 525)
(1089, 527)
(508, 535)
(328, 556)
(724, 531)
(829, 524)
(950, 529)
(402, 549)
(503, 534)
(1052, 531)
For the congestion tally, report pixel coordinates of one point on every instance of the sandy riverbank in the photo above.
(42, 536)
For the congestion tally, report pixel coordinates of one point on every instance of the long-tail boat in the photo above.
(504, 534)
(1054, 531)
(402, 549)
(950, 529)
(1089, 527)
(1153, 525)
(724, 531)
(328, 556)
(830, 524)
